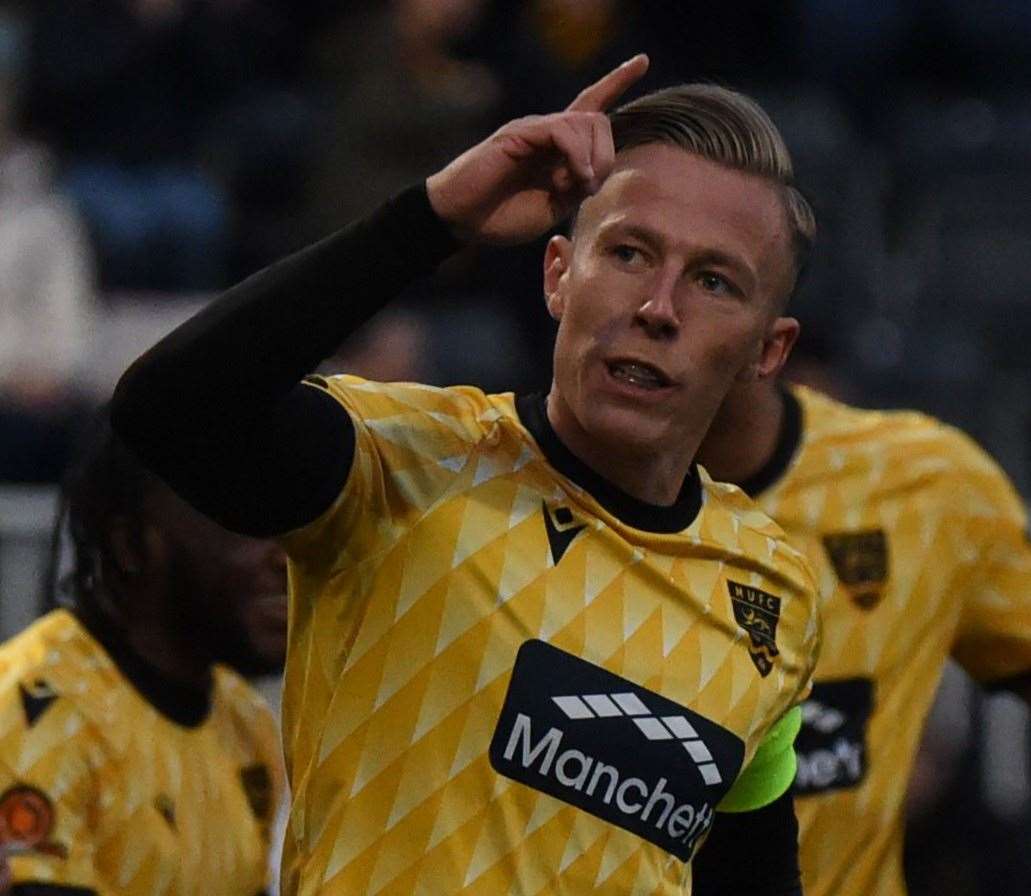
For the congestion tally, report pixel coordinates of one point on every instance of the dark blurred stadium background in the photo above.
(155, 151)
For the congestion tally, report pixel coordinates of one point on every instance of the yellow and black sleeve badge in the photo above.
(860, 560)
(758, 613)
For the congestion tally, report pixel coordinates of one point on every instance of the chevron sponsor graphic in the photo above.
(831, 747)
(606, 706)
(613, 749)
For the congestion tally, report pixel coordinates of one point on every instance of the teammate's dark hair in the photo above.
(103, 481)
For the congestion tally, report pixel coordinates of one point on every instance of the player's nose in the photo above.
(658, 312)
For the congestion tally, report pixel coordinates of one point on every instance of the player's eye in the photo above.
(716, 284)
(628, 254)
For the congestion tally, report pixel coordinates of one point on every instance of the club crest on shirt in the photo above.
(27, 820)
(758, 613)
(860, 560)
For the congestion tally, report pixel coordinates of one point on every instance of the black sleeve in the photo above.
(750, 854)
(217, 408)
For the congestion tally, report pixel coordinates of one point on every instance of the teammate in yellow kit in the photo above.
(129, 763)
(920, 548)
(533, 648)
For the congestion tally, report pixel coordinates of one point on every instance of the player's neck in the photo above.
(149, 640)
(744, 434)
(171, 660)
(652, 477)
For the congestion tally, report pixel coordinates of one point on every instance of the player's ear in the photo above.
(556, 264)
(775, 349)
(134, 546)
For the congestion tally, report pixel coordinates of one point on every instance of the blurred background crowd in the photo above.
(153, 152)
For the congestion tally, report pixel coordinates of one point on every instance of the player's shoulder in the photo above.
(734, 524)
(909, 441)
(406, 403)
(52, 671)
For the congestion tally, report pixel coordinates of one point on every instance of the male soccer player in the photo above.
(129, 763)
(533, 648)
(920, 547)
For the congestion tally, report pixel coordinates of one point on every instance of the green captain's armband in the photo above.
(771, 770)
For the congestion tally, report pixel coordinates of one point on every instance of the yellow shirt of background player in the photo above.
(495, 684)
(100, 791)
(919, 546)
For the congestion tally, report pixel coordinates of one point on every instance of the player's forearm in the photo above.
(750, 854)
(220, 395)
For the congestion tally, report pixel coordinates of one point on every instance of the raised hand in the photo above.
(529, 174)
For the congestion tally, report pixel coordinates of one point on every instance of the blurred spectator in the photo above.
(130, 92)
(405, 103)
(45, 295)
(866, 48)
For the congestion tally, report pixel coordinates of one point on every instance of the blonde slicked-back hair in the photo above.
(725, 127)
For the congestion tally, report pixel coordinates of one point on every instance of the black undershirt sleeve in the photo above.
(750, 854)
(217, 408)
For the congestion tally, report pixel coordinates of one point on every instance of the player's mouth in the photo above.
(638, 374)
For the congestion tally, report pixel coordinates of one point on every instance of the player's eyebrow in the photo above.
(653, 239)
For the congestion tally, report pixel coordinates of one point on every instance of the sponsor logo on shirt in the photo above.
(37, 696)
(831, 747)
(758, 613)
(561, 528)
(616, 750)
(860, 560)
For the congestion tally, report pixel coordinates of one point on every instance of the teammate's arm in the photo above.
(753, 845)
(217, 407)
(993, 639)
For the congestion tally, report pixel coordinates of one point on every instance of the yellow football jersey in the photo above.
(919, 547)
(102, 793)
(497, 684)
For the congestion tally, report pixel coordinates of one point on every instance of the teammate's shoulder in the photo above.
(914, 435)
(51, 669)
(235, 695)
(828, 418)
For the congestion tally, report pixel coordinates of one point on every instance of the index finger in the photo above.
(606, 90)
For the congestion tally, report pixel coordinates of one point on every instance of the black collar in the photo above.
(784, 452)
(186, 705)
(532, 410)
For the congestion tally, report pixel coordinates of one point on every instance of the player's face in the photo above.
(665, 297)
(229, 589)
